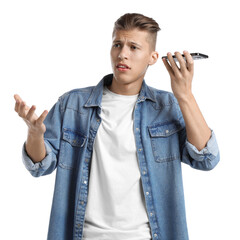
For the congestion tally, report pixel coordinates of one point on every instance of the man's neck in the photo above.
(125, 89)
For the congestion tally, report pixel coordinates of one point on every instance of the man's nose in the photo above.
(123, 54)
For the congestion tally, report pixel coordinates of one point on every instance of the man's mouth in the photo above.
(122, 67)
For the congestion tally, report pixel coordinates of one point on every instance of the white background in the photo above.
(50, 47)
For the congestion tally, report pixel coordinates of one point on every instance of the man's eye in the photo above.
(134, 47)
(116, 45)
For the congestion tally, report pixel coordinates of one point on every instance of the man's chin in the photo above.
(121, 78)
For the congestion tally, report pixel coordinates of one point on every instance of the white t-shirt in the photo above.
(116, 205)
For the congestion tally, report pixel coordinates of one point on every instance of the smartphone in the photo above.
(195, 56)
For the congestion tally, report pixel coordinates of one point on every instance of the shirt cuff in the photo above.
(209, 152)
(39, 166)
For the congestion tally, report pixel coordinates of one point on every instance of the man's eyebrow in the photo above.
(119, 41)
(136, 44)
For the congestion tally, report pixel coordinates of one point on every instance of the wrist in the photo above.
(185, 98)
(35, 147)
(33, 135)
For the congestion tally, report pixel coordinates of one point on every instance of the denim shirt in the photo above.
(161, 143)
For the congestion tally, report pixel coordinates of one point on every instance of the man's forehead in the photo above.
(134, 36)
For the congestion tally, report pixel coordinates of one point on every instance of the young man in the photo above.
(118, 146)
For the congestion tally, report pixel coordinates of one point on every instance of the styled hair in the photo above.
(130, 21)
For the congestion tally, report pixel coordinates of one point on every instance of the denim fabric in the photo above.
(160, 137)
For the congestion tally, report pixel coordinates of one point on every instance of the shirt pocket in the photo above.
(71, 147)
(165, 141)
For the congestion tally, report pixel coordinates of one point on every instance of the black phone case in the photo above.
(195, 56)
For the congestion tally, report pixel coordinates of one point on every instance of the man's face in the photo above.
(133, 49)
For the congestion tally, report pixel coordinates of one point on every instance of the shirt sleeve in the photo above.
(46, 166)
(211, 149)
(205, 159)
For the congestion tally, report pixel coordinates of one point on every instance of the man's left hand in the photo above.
(181, 77)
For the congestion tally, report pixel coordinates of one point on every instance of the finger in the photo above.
(190, 62)
(181, 61)
(30, 113)
(17, 97)
(168, 67)
(22, 110)
(173, 64)
(42, 118)
(17, 103)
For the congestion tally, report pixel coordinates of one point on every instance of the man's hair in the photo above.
(130, 21)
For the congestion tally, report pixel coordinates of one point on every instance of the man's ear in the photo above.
(153, 58)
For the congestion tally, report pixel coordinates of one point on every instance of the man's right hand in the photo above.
(35, 146)
(35, 124)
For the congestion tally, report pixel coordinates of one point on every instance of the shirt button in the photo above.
(85, 182)
(139, 149)
(79, 225)
(151, 213)
(86, 160)
(144, 172)
(82, 202)
(137, 129)
(147, 193)
(98, 120)
(167, 131)
(155, 235)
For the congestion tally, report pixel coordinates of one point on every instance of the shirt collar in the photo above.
(95, 98)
